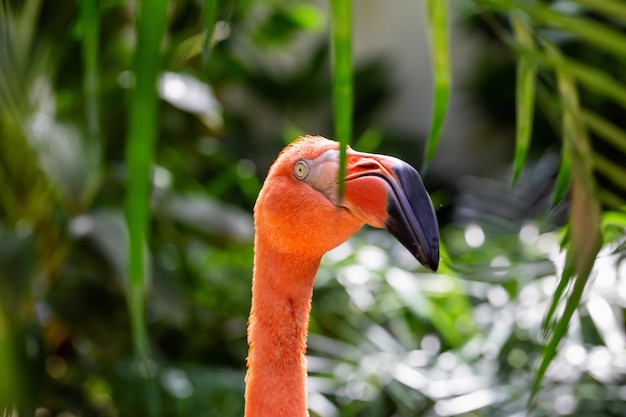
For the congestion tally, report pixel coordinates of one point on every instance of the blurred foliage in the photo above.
(570, 54)
(387, 339)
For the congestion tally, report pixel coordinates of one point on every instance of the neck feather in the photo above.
(282, 287)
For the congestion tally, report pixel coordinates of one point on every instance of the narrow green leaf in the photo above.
(614, 218)
(444, 322)
(559, 291)
(559, 329)
(139, 153)
(209, 11)
(594, 79)
(369, 140)
(611, 8)
(90, 25)
(438, 39)
(584, 221)
(142, 133)
(525, 92)
(445, 265)
(610, 169)
(11, 375)
(605, 129)
(611, 200)
(342, 79)
(563, 178)
(551, 110)
(587, 29)
(590, 77)
(418, 301)
(306, 16)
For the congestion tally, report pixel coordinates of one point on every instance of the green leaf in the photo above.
(209, 11)
(586, 29)
(139, 153)
(342, 79)
(369, 140)
(437, 31)
(614, 218)
(563, 178)
(611, 200)
(584, 221)
(306, 16)
(525, 92)
(142, 133)
(551, 110)
(559, 328)
(610, 169)
(566, 275)
(593, 78)
(10, 378)
(90, 25)
(416, 300)
(611, 8)
(605, 129)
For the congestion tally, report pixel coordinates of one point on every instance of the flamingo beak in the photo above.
(409, 214)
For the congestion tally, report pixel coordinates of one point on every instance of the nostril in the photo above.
(367, 165)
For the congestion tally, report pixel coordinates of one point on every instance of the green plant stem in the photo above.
(342, 79)
(525, 93)
(209, 12)
(91, 29)
(139, 153)
(438, 37)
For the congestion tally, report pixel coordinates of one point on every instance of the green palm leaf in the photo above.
(438, 38)
(142, 134)
(584, 222)
(342, 79)
(525, 93)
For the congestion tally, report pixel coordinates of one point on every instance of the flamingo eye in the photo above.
(301, 170)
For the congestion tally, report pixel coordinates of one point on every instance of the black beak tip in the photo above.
(432, 261)
(427, 253)
(412, 218)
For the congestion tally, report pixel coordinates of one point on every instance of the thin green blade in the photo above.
(525, 92)
(139, 153)
(209, 12)
(342, 79)
(585, 28)
(605, 129)
(584, 221)
(90, 26)
(611, 170)
(142, 133)
(438, 38)
(611, 8)
(563, 179)
(559, 329)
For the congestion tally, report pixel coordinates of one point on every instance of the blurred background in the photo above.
(387, 338)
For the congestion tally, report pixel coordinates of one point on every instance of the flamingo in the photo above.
(298, 217)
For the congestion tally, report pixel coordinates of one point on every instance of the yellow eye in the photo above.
(300, 170)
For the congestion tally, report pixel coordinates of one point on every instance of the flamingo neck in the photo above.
(282, 286)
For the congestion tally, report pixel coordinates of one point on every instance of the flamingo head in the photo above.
(299, 209)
